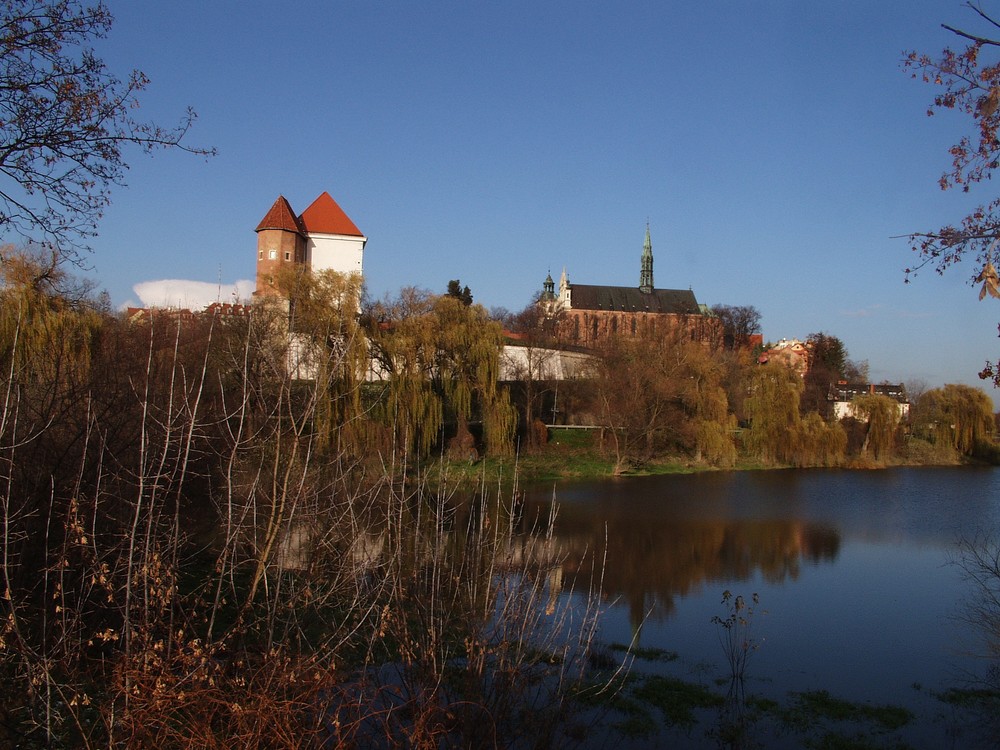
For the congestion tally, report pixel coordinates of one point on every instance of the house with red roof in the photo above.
(321, 238)
(789, 352)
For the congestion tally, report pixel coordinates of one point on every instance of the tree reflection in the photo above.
(652, 560)
(979, 560)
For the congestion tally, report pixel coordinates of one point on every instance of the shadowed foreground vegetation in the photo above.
(202, 551)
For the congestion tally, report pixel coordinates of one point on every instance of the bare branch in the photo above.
(973, 37)
(66, 123)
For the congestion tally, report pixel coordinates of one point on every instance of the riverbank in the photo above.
(576, 454)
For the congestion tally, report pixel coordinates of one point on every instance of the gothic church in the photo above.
(587, 315)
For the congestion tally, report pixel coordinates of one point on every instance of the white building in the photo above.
(322, 238)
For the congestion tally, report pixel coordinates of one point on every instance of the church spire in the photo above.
(646, 275)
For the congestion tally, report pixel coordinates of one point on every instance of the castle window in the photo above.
(260, 255)
(272, 254)
(288, 255)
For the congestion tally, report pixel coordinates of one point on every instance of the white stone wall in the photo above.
(546, 364)
(845, 409)
(335, 252)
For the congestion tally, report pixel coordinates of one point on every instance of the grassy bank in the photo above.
(579, 454)
(568, 454)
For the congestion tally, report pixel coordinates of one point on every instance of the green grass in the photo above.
(574, 439)
(969, 697)
(646, 654)
(807, 708)
(676, 699)
(817, 719)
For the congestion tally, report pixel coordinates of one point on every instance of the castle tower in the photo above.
(646, 273)
(322, 238)
(333, 242)
(280, 243)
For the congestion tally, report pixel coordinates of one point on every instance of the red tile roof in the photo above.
(280, 217)
(324, 216)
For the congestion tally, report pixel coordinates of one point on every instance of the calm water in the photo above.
(851, 567)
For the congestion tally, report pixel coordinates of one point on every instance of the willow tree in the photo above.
(772, 408)
(708, 407)
(821, 443)
(881, 416)
(438, 358)
(956, 415)
(48, 347)
(43, 336)
(326, 347)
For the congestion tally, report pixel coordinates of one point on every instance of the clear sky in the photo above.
(776, 149)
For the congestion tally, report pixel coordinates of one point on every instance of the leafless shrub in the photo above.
(220, 569)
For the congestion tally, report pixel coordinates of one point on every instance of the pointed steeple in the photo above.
(646, 275)
(565, 291)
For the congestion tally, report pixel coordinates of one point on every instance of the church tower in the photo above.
(548, 289)
(646, 274)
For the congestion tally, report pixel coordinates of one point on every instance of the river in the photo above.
(859, 593)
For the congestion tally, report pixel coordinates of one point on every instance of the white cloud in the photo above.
(194, 295)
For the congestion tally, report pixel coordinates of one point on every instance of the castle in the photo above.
(321, 238)
(588, 315)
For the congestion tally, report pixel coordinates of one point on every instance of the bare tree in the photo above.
(739, 323)
(65, 122)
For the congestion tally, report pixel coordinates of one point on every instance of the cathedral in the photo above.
(321, 238)
(588, 315)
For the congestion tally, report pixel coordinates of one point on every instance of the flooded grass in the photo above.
(970, 697)
(676, 699)
(810, 707)
(645, 708)
(646, 654)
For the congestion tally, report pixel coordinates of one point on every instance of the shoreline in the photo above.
(554, 462)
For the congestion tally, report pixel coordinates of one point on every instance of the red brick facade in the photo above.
(592, 328)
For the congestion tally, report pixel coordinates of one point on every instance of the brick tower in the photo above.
(280, 243)
(322, 238)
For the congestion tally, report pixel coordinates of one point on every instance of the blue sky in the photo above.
(775, 148)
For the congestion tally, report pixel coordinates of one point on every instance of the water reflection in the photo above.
(651, 560)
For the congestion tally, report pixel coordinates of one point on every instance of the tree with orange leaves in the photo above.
(969, 80)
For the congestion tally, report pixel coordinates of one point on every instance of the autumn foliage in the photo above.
(968, 79)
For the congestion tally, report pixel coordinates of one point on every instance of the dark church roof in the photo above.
(631, 299)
